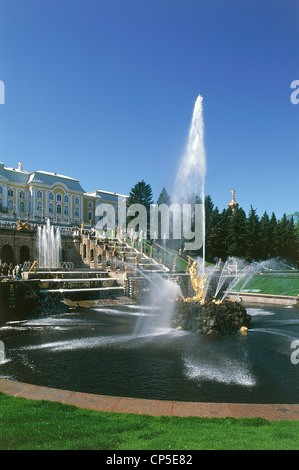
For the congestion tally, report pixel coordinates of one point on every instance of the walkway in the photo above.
(149, 407)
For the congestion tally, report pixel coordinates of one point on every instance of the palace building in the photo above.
(40, 195)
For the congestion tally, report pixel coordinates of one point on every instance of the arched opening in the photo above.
(84, 251)
(24, 254)
(91, 255)
(7, 254)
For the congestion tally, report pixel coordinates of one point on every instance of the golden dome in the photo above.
(233, 204)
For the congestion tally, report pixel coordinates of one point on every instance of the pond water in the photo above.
(100, 350)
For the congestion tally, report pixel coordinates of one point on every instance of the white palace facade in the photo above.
(39, 195)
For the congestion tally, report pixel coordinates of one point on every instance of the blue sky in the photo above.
(103, 91)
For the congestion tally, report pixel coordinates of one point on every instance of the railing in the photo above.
(66, 226)
(161, 254)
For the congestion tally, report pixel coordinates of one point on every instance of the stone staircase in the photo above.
(118, 255)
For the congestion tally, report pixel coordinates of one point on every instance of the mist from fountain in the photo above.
(237, 272)
(162, 295)
(49, 246)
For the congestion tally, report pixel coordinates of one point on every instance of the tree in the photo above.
(297, 241)
(164, 198)
(272, 239)
(142, 194)
(237, 233)
(265, 237)
(285, 238)
(252, 249)
(220, 233)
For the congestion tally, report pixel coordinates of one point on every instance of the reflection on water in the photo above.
(101, 351)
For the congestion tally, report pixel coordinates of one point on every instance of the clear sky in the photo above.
(104, 90)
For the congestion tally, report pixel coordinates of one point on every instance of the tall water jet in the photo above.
(49, 246)
(190, 179)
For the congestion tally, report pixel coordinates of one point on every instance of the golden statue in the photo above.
(24, 226)
(33, 266)
(197, 282)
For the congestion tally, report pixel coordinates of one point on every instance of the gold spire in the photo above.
(233, 204)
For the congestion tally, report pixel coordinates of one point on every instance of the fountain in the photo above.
(138, 350)
(49, 246)
(202, 313)
(190, 179)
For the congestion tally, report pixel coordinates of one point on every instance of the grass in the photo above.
(275, 285)
(43, 425)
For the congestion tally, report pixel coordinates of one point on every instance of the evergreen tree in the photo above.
(221, 233)
(291, 240)
(213, 239)
(252, 249)
(265, 237)
(142, 194)
(272, 236)
(164, 198)
(285, 238)
(297, 242)
(237, 233)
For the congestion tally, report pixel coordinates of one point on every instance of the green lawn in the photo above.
(40, 425)
(276, 285)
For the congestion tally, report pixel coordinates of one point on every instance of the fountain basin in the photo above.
(210, 318)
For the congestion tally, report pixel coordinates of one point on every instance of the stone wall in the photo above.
(20, 246)
(17, 246)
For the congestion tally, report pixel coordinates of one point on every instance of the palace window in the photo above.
(22, 206)
(10, 192)
(90, 205)
(77, 212)
(10, 205)
(76, 200)
(90, 215)
(22, 195)
(66, 199)
(1, 189)
(58, 209)
(66, 210)
(51, 208)
(39, 194)
(51, 196)
(59, 197)
(39, 206)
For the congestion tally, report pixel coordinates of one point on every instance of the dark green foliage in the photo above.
(141, 193)
(164, 198)
(232, 233)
